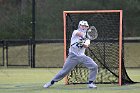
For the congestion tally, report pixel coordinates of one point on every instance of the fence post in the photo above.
(3, 54)
(33, 34)
(6, 54)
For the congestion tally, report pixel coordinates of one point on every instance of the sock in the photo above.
(90, 82)
(52, 82)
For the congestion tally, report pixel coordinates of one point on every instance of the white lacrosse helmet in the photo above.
(85, 23)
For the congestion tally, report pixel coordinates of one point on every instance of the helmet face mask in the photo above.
(83, 25)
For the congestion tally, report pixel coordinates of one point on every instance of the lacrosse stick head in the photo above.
(92, 33)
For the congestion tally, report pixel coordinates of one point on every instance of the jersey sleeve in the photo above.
(75, 32)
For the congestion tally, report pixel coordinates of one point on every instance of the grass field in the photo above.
(27, 80)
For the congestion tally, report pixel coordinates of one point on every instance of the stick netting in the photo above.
(104, 50)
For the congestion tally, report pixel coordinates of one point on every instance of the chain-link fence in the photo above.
(18, 53)
(16, 30)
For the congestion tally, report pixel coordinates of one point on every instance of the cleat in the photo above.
(91, 85)
(47, 85)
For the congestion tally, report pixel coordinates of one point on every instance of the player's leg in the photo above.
(93, 67)
(70, 63)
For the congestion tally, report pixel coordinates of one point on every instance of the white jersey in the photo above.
(73, 46)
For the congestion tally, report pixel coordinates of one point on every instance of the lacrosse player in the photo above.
(77, 55)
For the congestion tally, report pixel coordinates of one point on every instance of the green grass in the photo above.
(134, 74)
(132, 54)
(27, 80)
(46, 55)
(49, 55)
